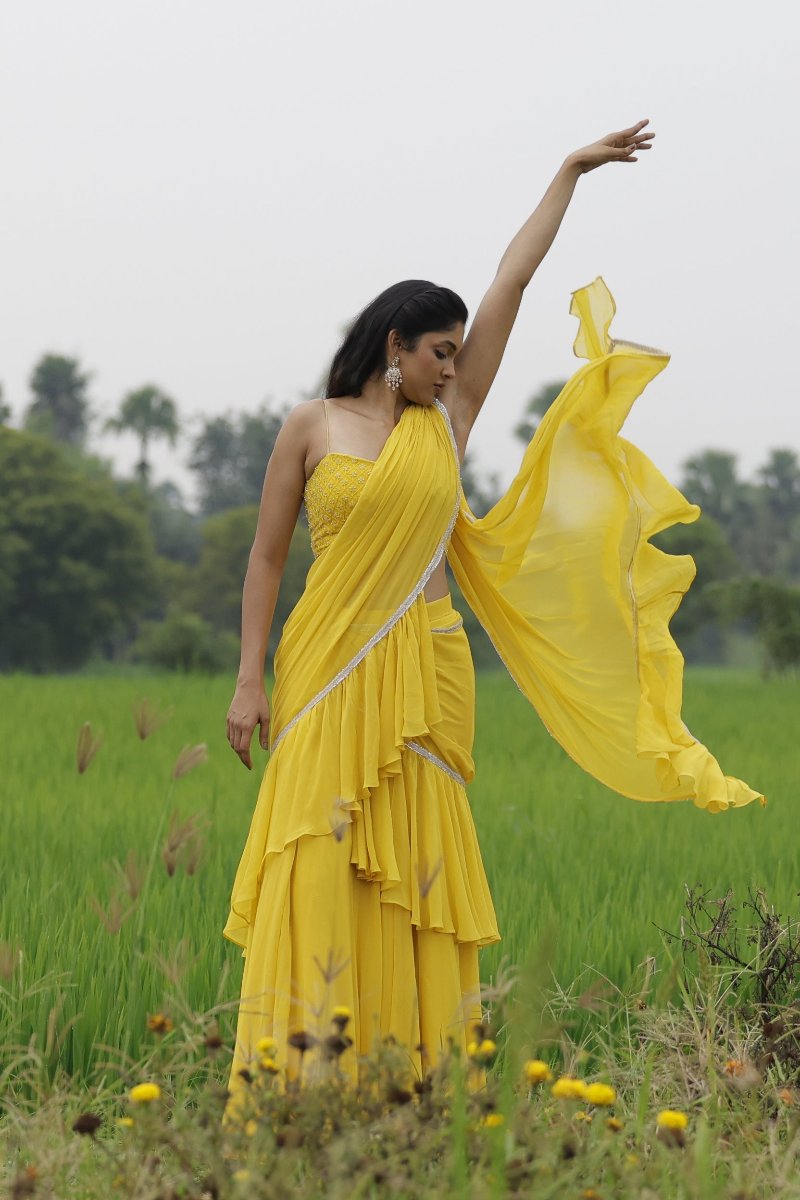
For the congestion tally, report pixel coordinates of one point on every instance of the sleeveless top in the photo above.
(331, 492)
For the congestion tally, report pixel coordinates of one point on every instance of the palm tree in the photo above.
(148, 413)
(60, 408)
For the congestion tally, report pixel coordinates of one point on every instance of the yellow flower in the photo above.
(482, 1052)
(567, 1088)
(590, 1194)
(143, 1093)
(668, 1118)
(126, 1121)
(600, 1094)
(584, 1116)
(536, 1071)
(342, 1013)
(493, 1120)
(267, 1046)
(251, 1127)
(269, 1064)
(158, 1023)
(614, 1124)
(241, 1176)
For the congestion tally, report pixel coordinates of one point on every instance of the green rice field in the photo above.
(598, 871)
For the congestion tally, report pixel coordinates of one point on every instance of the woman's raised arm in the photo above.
(478, 360)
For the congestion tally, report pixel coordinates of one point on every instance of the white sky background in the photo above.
(201, 195)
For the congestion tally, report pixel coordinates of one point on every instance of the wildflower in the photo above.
(336, 1044)
(158, 1023)
(341, 1015)
(493, 1120)
(397, 1095)
(567, 1088)
(241, 1176)
(614, 1124)
(126, 1122)
(787, 1096)
(632, 1160)
(483, 1052)
(590, 1194)
(251, 1127)
(584, 1116)
(87, 1123)
(671, 1125)
(212, 1041)
(302, 1041)
(269, 1065)
(668, 1118)
(267, 1046)
(734, 1066)
(536, 1071)
(600, 1094)
(143, 1093)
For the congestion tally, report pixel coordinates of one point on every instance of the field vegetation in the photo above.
(113, 970)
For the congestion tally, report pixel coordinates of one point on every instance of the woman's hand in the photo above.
(249, 707)
(614, 147)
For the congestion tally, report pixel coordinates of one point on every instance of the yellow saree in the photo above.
(361, 882)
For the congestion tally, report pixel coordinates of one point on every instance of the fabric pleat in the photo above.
(362, 882)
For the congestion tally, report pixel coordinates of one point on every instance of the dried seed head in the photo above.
(336, 1044)
(87, 746)
(87, 1123)
(147, 718)
(302, 1041)
(189, 758)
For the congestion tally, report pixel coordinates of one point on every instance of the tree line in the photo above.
(96, 566)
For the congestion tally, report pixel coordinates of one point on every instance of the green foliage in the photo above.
(185, 642)
(214, 587)
(77, 565)
(60, 408)
(175, 530)
(695, 626)
(775, 609)
(230, 457)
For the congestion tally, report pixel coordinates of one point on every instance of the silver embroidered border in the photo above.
(437, 762)
(449, 628)
(381, 633)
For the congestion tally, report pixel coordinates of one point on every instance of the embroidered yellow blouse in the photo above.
(331, 494)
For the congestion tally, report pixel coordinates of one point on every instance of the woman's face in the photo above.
(430, 367)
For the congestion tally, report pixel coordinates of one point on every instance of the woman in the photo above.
(361, 886)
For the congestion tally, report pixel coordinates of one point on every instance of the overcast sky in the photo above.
(202, 195)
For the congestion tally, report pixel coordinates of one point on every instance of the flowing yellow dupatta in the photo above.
(575, 599)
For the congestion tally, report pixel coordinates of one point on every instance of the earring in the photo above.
(392, 374)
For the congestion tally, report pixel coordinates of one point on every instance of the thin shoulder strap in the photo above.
(327, 426)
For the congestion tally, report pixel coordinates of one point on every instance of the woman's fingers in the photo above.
(240, 731)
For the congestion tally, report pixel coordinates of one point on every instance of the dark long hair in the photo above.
(413, 307)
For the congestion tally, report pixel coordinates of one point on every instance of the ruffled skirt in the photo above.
(361, 883)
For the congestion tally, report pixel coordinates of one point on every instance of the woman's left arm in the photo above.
(480, 356)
